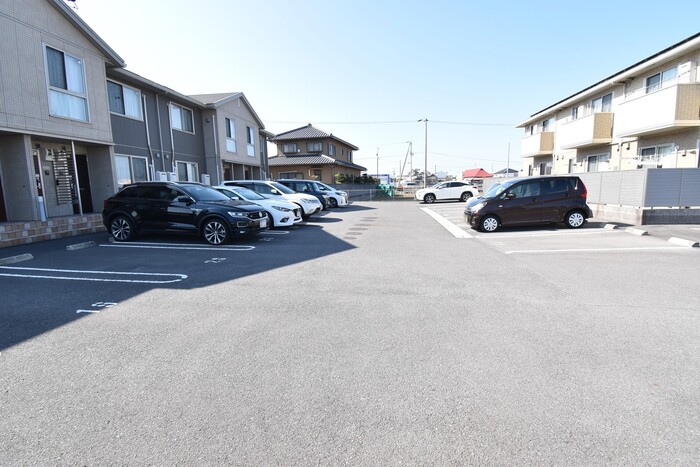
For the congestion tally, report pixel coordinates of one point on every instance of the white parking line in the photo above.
(591, 250)
(489, 236)
(449, 226)
(177, 246)
(27, 274)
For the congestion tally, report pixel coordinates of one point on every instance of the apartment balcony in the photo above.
(591, 130)
(541, 144)
(644, 113)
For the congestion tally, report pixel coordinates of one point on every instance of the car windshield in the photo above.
(323, 187)
(438, 185)
(497, 189)
(248, 194)
(282, 188)
(204, 193)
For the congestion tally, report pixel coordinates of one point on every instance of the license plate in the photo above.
(263, 223)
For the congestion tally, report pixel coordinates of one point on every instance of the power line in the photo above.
(512, 125)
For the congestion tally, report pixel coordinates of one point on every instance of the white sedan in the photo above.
(281, 213)
(447, 191)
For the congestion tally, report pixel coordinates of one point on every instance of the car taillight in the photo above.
(584, 193)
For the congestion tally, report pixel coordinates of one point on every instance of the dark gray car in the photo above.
(532, 200)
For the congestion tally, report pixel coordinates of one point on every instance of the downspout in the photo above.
(148, 137)
(77, 182)
(217, 156)
(160, 134)
(172, 140)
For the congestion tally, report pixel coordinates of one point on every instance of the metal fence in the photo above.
(641, 188)
(644, 188)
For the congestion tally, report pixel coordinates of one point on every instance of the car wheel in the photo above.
(271, 220)
(490, 223)
(429, 198)
(215, 231)
(333, 202)
(122, 228)
(575, 219)
(466, 195)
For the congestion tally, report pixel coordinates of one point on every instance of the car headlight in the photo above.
(341, 193)
(237, 214)
(477, 207)
(310, 201)
(280, 208)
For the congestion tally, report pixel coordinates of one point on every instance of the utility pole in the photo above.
(377, 162)
(425, 169)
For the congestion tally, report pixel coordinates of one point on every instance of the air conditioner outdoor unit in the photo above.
(205, 179)
(161, 176)
(172, 176)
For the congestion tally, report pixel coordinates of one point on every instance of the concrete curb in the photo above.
(634, 231)
(16, 259)
(683, 242)
(80, 246)
(610, 226)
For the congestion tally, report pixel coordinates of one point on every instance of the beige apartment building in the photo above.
(645, 116)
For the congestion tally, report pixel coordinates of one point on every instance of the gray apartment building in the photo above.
(75, 126)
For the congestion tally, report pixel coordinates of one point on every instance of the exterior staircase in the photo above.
(22, 233)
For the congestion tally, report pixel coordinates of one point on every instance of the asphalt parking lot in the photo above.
(376, 334)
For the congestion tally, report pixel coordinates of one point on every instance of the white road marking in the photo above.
(87, 311)
(570, 250)
(449, 226)
(276, 232)
(178, 246)
(28, 275)
(547, 234)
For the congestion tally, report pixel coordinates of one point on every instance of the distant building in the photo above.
(309, 153)
(506, 173)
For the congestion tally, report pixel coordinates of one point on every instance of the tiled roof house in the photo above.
(310, 153)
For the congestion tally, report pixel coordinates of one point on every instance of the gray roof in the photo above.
(310, 159)
(309, 132)
(218, 99)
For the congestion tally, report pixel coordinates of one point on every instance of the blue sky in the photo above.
(366, 71)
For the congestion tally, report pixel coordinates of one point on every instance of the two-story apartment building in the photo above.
(75, 125)
(647, 115)
(162, 134)
(310, 153)
(55, 130)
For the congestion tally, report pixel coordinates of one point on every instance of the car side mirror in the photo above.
(510, 196)
(183, 199)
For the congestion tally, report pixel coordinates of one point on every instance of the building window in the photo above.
(547, 125)
(331, 149)
(287, 175)
(67, 93)
(661, 80)
(181, 118)
(230, 135)
(250, 139)
(187, 172)
(130, 169)
(314, 147)
(602, 104)
(289, 148)
(124, 100)
(570, 169)
(655, 155)
(598, 163)
(574, 113)
(350, 156)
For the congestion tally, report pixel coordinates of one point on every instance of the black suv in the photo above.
(180, 206)
(532, 200)
(308, 187)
